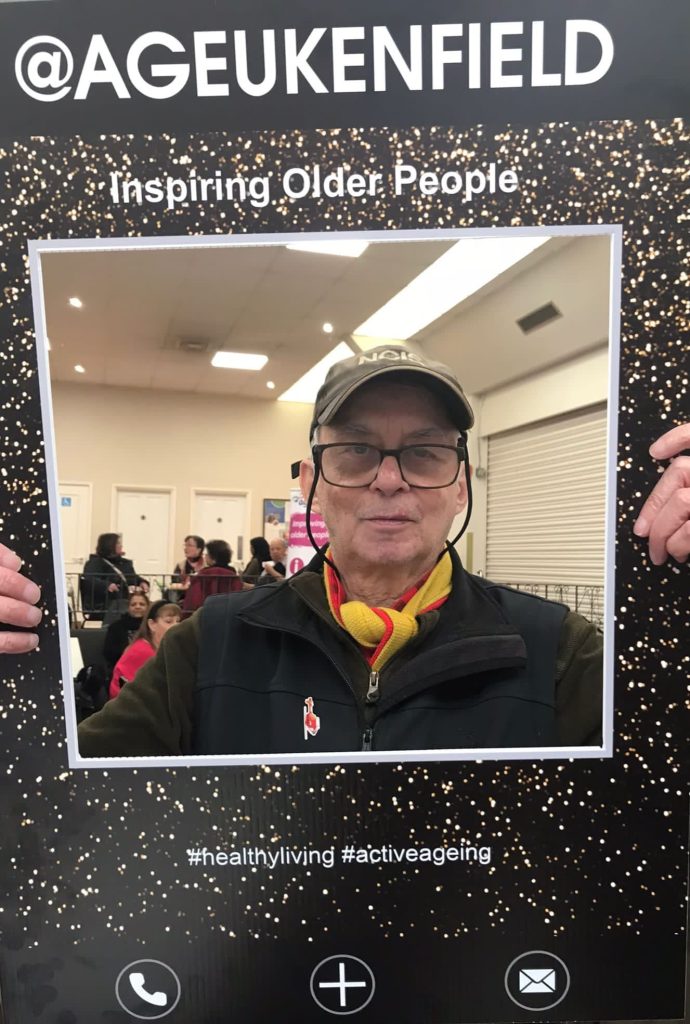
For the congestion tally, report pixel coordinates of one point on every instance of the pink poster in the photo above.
(300, 550)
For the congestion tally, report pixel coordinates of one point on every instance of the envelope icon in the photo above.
(537, 979)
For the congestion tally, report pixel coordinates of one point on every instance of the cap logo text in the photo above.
(390, 355)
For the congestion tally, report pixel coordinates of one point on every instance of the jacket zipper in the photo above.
(371, 699)
(373, 691)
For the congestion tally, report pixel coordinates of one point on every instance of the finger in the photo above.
(18, 613)
(18, 587)
(672, 479)
(678, 545)
(17, 643)
(9, 560)
(671, 443)
(673, 516)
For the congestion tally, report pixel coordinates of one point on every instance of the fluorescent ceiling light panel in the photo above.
(365, 343)
(239, 360)
(338, 247)
(306, 388)
(465, 268)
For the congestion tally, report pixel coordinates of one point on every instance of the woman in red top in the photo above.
(159, 618)
(217, 578)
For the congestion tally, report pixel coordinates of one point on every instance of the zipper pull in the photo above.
(367, 737)
(373, 691)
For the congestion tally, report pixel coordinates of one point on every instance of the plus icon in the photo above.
(342, 984)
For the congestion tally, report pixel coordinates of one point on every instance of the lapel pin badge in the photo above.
(312, 722)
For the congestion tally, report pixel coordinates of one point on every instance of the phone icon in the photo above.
(148, 989)
(137, 981)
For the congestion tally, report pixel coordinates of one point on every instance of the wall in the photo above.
(134, 436)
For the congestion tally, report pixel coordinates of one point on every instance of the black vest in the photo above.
(483, 676)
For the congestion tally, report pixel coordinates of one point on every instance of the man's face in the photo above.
(388, 522)
(277, 550)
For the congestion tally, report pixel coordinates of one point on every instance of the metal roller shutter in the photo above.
(546, 501)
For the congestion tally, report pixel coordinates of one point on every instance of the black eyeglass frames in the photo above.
(348, 464)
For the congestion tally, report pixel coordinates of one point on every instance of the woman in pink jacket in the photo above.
(159, 618)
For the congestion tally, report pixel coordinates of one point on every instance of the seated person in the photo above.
(261, 553)
(107, 577)
(217, 577)
(160, 616)
(121, 633)
(275, 569)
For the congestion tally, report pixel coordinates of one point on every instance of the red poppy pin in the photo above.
(312, 722)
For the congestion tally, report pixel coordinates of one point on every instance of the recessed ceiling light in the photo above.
(465, 268)
(239, 360)
(79, 368)
(305, 389)
(270, 385)
(77, 303)
(327, 328)
(338, 247)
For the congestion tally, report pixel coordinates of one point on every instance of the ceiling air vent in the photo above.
(197, 346)
(538, 318)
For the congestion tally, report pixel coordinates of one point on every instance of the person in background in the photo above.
(260, 553)
(160, 616)
(275, 569)
(217, 577)
(193, 559)
(121, 633)
(108, 577)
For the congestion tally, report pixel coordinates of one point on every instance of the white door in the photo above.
(144, 520)
(75, 524)
(218, 516)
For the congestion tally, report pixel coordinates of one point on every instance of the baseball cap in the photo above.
(343, 379)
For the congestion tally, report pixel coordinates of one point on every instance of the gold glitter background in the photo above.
(582, 852)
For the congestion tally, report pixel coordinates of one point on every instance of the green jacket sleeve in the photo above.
(579, 683)
(152, 716)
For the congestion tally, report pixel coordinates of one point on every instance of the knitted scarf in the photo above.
(382, 632)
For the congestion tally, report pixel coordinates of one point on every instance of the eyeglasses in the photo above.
(420, 465)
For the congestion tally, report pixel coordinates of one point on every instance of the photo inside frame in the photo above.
(155, 443)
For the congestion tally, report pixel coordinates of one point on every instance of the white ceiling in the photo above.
(268, 299)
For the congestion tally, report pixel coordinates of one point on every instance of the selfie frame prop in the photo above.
(452, 871)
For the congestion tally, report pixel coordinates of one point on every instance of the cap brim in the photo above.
(455, 403)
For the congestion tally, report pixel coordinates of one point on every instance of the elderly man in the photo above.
(277, 570)
(383, 642)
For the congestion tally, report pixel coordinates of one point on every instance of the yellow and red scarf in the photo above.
(382, 632)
